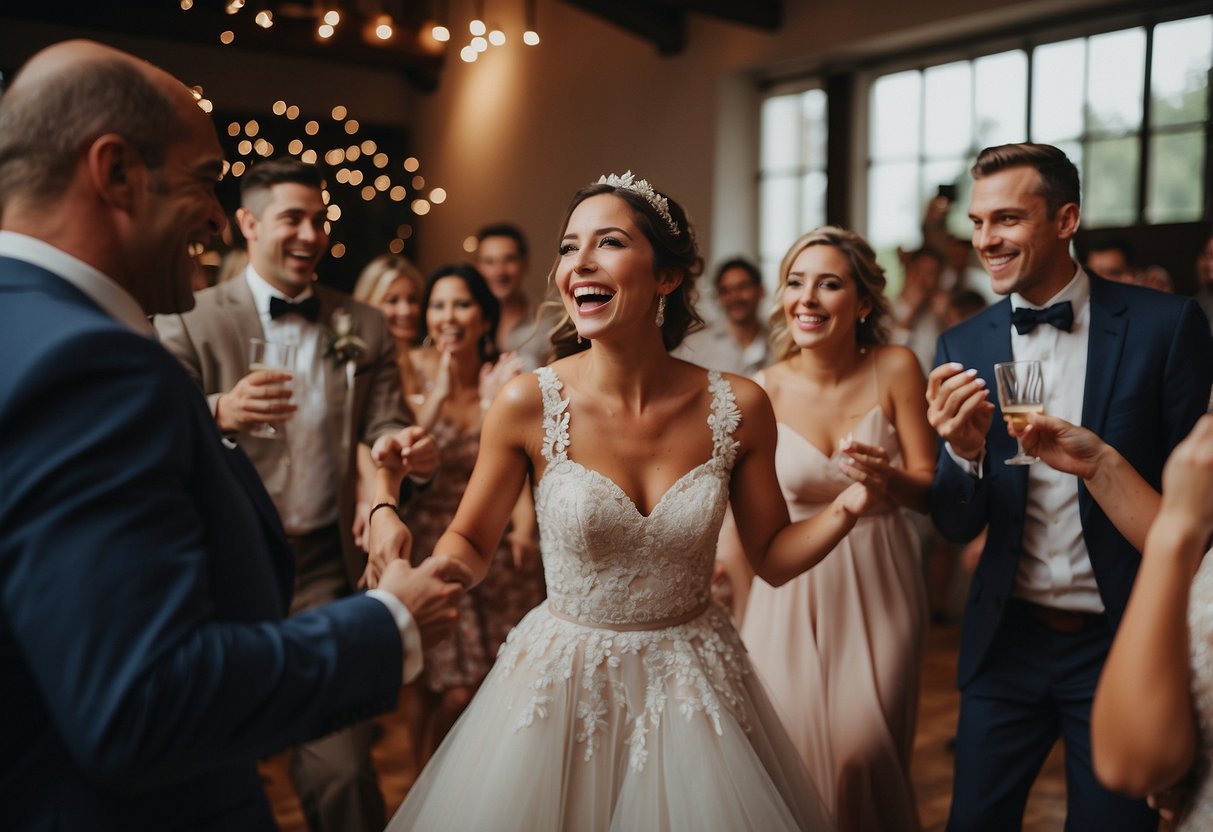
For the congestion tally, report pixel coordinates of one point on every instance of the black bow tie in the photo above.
(1060, 315)
(309, 308)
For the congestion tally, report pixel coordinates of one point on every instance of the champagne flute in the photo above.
(270, 355)
(1020, 394)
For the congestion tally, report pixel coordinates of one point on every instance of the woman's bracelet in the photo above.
(375, 508)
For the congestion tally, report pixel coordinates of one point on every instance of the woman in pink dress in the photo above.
(840, 646)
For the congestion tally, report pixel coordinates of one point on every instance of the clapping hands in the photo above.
(959, 408)
(869, 466)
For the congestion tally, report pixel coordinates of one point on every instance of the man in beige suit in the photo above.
(343, 389)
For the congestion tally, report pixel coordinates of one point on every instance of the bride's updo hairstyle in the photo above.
(673, 242)
(865, 271)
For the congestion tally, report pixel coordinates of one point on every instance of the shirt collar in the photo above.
(263, 291)
(101, 289)
(1077, 292)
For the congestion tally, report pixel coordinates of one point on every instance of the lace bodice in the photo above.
(605, 562)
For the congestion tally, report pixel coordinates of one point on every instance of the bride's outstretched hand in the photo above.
(388, 539)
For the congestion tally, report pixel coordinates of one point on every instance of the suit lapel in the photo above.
(284, 559)
(1105, 342)
(241, 311)
(339, 382)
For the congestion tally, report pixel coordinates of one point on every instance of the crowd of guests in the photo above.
(870, 438)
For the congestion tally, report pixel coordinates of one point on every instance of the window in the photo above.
(1129, 107)
(792, 173)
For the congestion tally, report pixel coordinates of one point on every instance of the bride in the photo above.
(626, 701)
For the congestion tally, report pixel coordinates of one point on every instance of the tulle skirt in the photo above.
(585, 728)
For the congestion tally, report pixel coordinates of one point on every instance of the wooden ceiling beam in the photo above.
(659, 23)
(762, 14)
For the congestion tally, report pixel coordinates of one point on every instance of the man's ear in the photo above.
(247, 222)
(1067, 220)
(115, 170)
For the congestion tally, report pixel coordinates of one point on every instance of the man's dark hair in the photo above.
(1058, 176)
(505, 229)
(1111, 242)
(738, 263)
(265, 175)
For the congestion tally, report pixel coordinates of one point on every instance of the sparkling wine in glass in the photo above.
(1020, 393)
(270, 355)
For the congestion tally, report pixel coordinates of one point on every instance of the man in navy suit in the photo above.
(1133, 365)
(144, 575)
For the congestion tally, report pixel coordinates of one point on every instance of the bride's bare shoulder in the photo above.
(521, 396)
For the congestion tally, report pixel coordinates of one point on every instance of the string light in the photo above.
(264, 19)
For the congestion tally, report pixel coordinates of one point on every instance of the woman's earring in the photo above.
(864, 319)
(580, 340)
(661, 310)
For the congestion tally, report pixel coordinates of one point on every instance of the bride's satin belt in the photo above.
(634, 626)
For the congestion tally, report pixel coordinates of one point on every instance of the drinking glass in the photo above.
(270, 355)
(1020, 394)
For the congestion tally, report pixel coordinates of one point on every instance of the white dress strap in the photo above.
(723, 420)
(555, 416)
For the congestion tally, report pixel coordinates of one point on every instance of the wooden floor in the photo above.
(932, 759)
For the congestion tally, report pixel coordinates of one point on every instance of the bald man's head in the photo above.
(64, 98)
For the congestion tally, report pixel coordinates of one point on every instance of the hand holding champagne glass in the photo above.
(277, 357)
(1020, 394)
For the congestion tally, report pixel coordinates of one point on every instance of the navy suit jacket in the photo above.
(145, 662)
(1149, 371)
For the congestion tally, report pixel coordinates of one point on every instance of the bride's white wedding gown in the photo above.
(626, 701)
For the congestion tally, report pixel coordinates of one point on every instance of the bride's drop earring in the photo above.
(661, 310)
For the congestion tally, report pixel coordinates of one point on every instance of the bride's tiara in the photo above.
(641, 187)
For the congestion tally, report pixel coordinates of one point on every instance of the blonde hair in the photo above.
(865, 271)
(381, 273)
(374, 281)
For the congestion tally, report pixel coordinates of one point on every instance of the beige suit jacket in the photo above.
(212, 342)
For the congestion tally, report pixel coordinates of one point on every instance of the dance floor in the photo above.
(932, 759)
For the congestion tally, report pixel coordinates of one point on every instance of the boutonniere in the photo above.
(344, 344)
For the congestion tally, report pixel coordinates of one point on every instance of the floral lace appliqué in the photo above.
(610, 570)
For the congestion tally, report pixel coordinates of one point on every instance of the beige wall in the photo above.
(515, 134)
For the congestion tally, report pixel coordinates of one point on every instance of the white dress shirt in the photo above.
(309, 497)
(715, 348)
(1055, 567)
